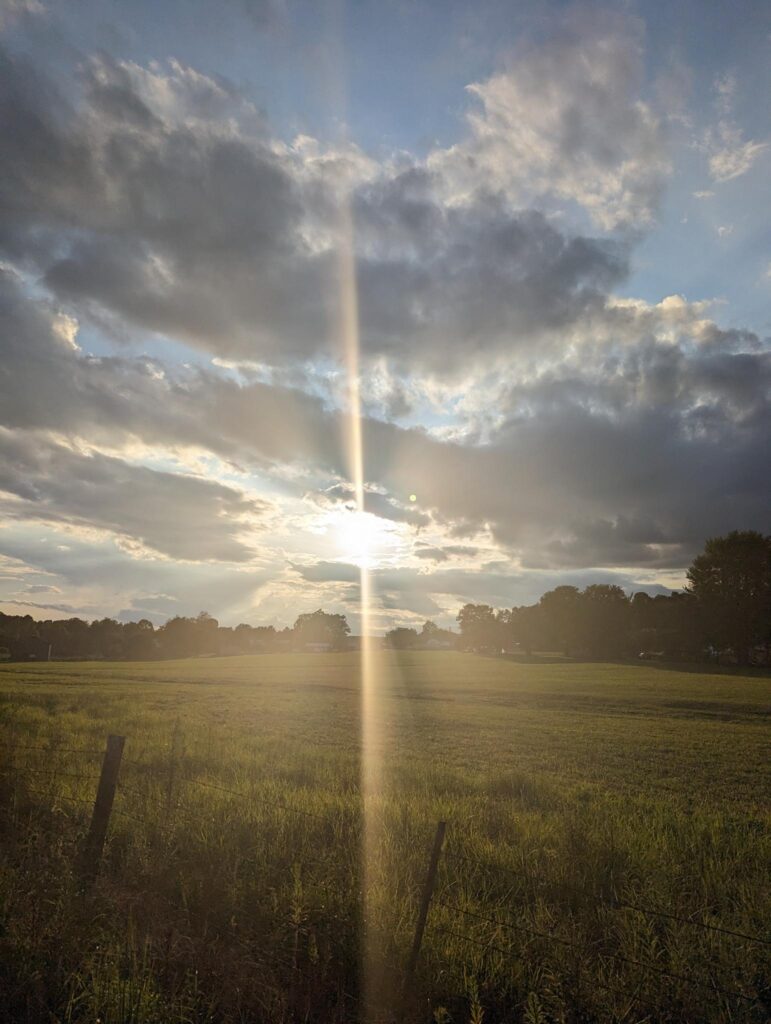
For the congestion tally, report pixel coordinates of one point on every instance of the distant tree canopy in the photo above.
(431, 637)
(320, 627)
(724, 613)
(23, 638)
(480, 627)
(731, 581)
(402, 638)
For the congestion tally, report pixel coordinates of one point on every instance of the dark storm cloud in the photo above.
(432, 554)
(179, 516)
(444, 554)
(377, 504)
(629, 457)
(564, 476)
(500, 280)
(329, 572)
(619, 434)
(161, 200)
(152, 214)
(47, 384)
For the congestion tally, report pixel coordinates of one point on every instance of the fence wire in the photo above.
(489, 945)
(613, 903)
(172, 775)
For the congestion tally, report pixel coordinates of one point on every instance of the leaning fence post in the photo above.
(105, 794)
(425, 902)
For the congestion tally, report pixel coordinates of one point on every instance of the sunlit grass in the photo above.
(564, 786)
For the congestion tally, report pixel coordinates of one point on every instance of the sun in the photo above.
(361, 538)
(366, 537)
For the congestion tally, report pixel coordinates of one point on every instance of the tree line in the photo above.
(724, 613)
(23, 638)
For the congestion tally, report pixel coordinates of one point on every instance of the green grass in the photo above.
(567, 789)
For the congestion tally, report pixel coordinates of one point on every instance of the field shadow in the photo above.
(531, 659)
(692, 667)
(705, 668)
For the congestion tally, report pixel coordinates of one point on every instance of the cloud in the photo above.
(729, 154)
(735, 157)
(16, 606)
(100, 577)
(16, 10)
(444, 554)
(377, 504)
(161, 203)
(544, 421)
(441, 590)
(657, 420)
(179, 516)
(565, 120)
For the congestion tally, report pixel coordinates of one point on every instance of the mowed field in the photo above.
(607, 852)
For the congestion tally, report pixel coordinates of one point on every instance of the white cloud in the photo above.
(565, 120)
(733, 157)
(12, 10)
(729, 154)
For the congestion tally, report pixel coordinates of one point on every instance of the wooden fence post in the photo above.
(425, 902)
(105, 794)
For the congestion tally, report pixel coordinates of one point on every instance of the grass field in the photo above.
(586, 803)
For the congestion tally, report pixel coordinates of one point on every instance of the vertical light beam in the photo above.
(371, 773)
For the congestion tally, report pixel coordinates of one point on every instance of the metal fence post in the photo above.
(105, 794)
(425, 902)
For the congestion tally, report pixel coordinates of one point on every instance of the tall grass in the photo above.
(580, 800)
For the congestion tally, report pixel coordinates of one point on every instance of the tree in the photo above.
(105, 638)
(605, 618)
(206, 634)
(139, 640)
(525, 627)
(433, 636)
(731, 582)
(560, 617)
(480, 630)
(320, 627)
(177, 637)
(264, 638)
(401, 638)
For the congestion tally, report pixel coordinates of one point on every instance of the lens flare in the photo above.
(371, 767)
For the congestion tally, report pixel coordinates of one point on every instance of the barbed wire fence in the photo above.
(441, 914)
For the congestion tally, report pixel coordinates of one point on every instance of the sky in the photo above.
(558, 217)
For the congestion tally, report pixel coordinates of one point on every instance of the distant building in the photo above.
(438, 644)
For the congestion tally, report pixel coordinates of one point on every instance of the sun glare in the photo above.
(362, 539)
